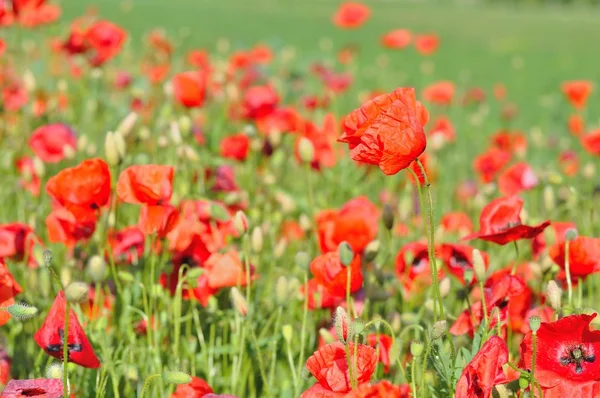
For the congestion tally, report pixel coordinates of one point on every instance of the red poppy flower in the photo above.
(328, 365)
(576, 124)
(235, 147)
(351, 15)
(32, 13)
(510, 141)
(14, 97)
(568, 162)
(17, 241)
(9, 288)
(385, 344)
(224, 179)
(538, 244)
(397, 39)
(442, 130)
(259, 101)
(475, 95)
(516, 179)
(225, 270)
(387, 131)
(322, 140)
(43, 388)
(584, 256)
(412, 266)
(105, 39)
(281, 120)
(591, 142)
(567, 363)
(459, 258)
(5, 364)
(577, 92)
(50, 141)
(189, 88)
(427, 44)
(319, 297)
(127, 244)
(546, 314)
(489, 164)
(146, 184)
(195, 389)
(484, 371)
(440, 93)
(69, 227)
(500, 222)
(159, 219)
(520, 296)
(380, 389)
(50, 337)
(356, 222)
(85, 186)
(457, 222)
(331, 273)
(200, 59)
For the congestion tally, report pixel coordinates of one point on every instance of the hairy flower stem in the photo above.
(533, 354)
(66, 352)
(293, 369)
(349, 364)
(568, 272)
(424, 363)
(147, 383)
(413, 373)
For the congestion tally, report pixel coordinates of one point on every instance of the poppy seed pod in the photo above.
(554, 294)
(176, 377)
(302, 260)
(534, 323)
(240, 222)
(22, 311)
(97, 269)
(288, 333)
(571, 234)
(358, 326)
(257, 240)
(416, 348)
(77, 292)
(372, 250)
(346, 254)
(55, 371)
(479, 265)
(387, 216)
(306, 150)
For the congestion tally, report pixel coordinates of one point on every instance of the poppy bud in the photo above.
(535, 323)
(444, 287)
(131, 373)
(176, 377)
(125, 276)
(82, 142)
(190, 154)
(280, 247)
(439, 329)
(288, 333)
(302, 260)
(22, 311)
(238, 301)
(523, 382)
(110, 150)
(346, 254)
(468, 276)
(175, 134)
(549, 198)
(55, 371)
(372, 250)
(554, 294)
(304, 222)
(306, 150)
(339, 322)
(416, 348)
(571, 234)
(478, 266)
(218, 212)
(77, 292)
(240, 222)
(396, 322)
(257, 240)
(97, 269)
(286, 202)
(281, 290)
(127, 124)
(47, 255)
(185, 125)
(387, 217)
(326, 336)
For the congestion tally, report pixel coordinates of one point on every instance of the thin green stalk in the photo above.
(261, 366)
(293, 369)
(568, 272)
(424, 363)
(274, 348)
(533, 354)
(355, 360)
(516, 263)
(247, 267)
(66, 352)
(483, 304)
(413, 382)
(147, 383)
(349, 364)
(304, 319)
(348, 297)
(150, 289)
(177, 312)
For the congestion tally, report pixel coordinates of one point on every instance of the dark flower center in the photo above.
(576, 355)
(457, 260)
(58, 348)
(33, 392)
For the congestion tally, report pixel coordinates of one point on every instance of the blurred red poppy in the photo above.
(591, 142)
(442, 130)
(70, 226)
(459, 258)
(412, 266)
(514, 142)
(385, 344)
(568, 162)
(158, 219)
(440, 93)
(328, 365)
(356, 222)
(225, 270)
(387, 131)
(584, 255)
(319, 297)
(500, 222)
(32, 13)
(484, 371)
(5, 365)
(520, 297)
(259, 101)
(489, 164)
(197, 388)
(322, 139)
(17, 241)
(516, 179)
(14, 96)
(351, 15)
(331, 273)
(146, 184)
(567, 364)
(9, 288)
(235, 147)
(127, 245)
(577, 92)
(576, 124)
(189, 88)
(49, 142)
(105, 39)
(50, 337)
(382, 388)
(538, 244)
(457, 222)
(397, 39)
(427, 44)
(42, 388)
(85, 187)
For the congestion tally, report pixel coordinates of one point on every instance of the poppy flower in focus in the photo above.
(195, 389)
(457, 222)
(127, 245)
(146, 184)
(427, 44)
(577, 92)
(105, 39)
(235, 147)
(567, 364)
(516, 179)
(387, 131)
(17, 241)
(459, 258)
(259, 101)
(412, 266)
(9, 288)
(500, 222)
(356, 222)
(521, 296)
(489, 164)
(29, 178)
(484, 371)
(440, 93)
(584, 256)
(397, 39)
(351, 15)
(50, 141)
(331, 273)
(328, 365)
(591, 142)
(382, 388)
(576, 124)
(189, 88)
(159, 219)
(42, 388)
(85, 186)
(51, 337)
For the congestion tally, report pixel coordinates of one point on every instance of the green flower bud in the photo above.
(523, 382)
(416, 348)
(288, 333)
(571, 234)
(240, 222)
(346, 254)
(372, 250)
(358, 326)
(340, 322)
(77, 292)
(176, 377)
(55, 371)
(22, 311)
(97, 269)
(479, 266)
(554, 295)
(387, 217)
(468, 276)
(257, 240)
(306, 150)
(439, 329)
(47, 255)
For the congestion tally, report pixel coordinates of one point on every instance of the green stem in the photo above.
(349, 364)
(516, 263)
(424, 363)
(303, 330)
(348, 297)
(355, 360)
(261, 366)
(533, 354)
(66, 352)
(293, 369)
(413, 382)
(568, 272)
(147, 383)
(150, 288)
(247, 267)
(177, 311)
(484, 305)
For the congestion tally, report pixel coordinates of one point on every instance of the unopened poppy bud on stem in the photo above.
(387, 216)
(240, 222)
(127, 124)
(571, 234)
(358, 326)
(372, 250)
(445, 287)
(97, 269)
(77, 292)
(346, 253)
(47, 255)
(239, 302)
(22, 311)
(306, 150)
(55, 371)
(257, 240)
(468, 276)
(554, 295)
(38, 167)
(288, 333)
(302, 260)
(439, 329)
(340, 320)
(478, 266)
(176, 377)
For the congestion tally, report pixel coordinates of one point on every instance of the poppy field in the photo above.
(313, 199)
